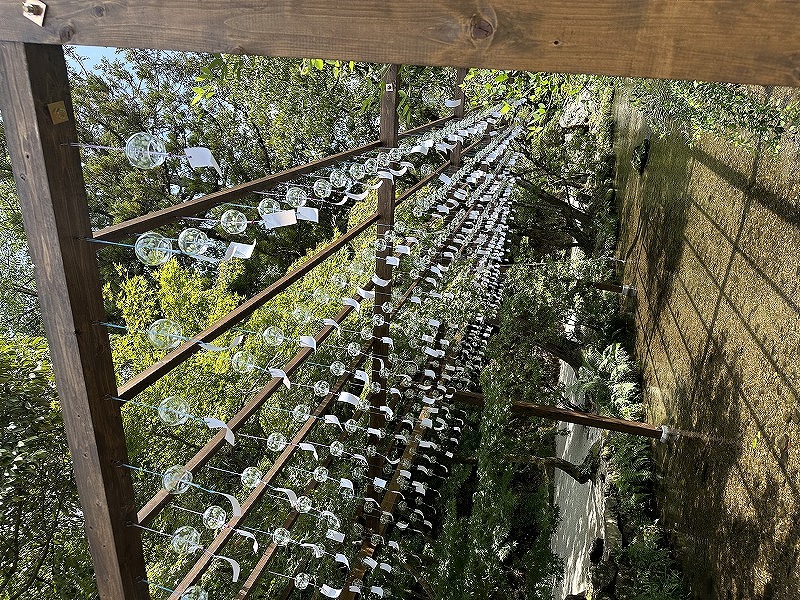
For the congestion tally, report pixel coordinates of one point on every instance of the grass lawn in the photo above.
(711, 236)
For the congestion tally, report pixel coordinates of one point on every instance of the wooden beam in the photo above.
(748, 41)
(569, 416)
(192, 207)
(458, 113)
(185, 351)
(157, 502)
(50, 187)
(252, 502)
(209, 201)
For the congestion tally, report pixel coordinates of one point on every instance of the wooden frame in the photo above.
(750, 41)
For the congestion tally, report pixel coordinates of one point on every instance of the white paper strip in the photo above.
(386, 567)
(236, 509)
(444, 178)
(212, 348)
(452, 103)
(236, 568)
(380, 282)
(308, 341)
(403, 250)
(394, 545)
(341, 558)
(434, 323)
(202, 157)
(330, 322)
(348, 398)
(333, 420)
(217, 424)
(280, 373)
(361, 375)
(282, 218)
(386, 175)
(379, 483)
(306, 213)
(351, 302)
(370, 562)
(329, 591)
(426, 423)
(392, 261)
(360, 196)
(335, 536)
(366, 294)
(415, 299)
(289, 494)
(388, 341)
(309, 448)
(250, 536)
(237, 250)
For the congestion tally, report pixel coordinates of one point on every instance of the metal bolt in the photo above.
(31, 9)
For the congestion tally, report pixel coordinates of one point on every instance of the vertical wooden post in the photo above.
(39, 122)
(386, 205)
(458, 113)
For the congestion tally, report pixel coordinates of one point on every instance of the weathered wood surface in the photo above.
(50, 186)
(752, 41)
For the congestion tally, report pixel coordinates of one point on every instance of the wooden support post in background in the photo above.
(39, 123)
(569, 416)
(383, 293)
(458, 113)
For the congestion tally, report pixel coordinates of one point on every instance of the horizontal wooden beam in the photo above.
(185, 351)
(39, 120)
(224, 534)
(749, 41)
(162, 498)
(569, 416)
(204, 203)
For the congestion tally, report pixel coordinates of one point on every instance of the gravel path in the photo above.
(581, 506)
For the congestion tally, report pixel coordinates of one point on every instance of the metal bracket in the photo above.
(34, 10)
(389, 87)
(58, 112)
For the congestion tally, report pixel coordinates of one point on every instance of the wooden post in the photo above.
(458, 113)
(570, 416)
(383, 293)
(39, 121)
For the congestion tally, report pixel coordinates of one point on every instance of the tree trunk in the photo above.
(566, 350)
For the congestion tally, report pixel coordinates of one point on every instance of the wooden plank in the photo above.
(50, 186)
(162, 498)
(253, 499)
(200, 205)
(458, 113)
(750, 41)
(569, 416)
(389, 126)
(205, 203)
(183, 352)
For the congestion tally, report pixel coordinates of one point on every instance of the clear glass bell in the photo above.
(152, 249)
(276, 441)
(214, 517)
(165, 334)
(243, 362)
(273, 336)
(173, 410)
(323, 188)
(193, 242)
(233, 221)
(177, 479)
(145, 151)
(251, 477)
(185, 540)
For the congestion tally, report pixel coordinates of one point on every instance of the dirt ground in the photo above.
(711, 236)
